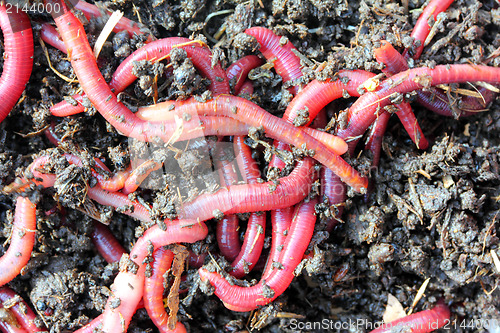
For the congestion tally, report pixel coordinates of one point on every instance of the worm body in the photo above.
(18, 57)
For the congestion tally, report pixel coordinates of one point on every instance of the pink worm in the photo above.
(255, 233)
(239, 70)
(287, 64)
(153, 291)
(251, 114)
(124, 23)
(422, 28)
(434, 100)
(421, 322)
(21, 242)
(18, 57)
(244, 299)
(21, 310)
(124, 77)
(50, 36)
(363, 111)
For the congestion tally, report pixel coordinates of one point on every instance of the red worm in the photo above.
(124, 77)
(139, 174)
(376, 135)
(255, 233)
(153, 291)
(421, 322)
(237, 72)
(227, 233)
(20, 309)
(244, 299)
(167, 111)
(124, 23)
(246, 88)
(252, 115)
(364, 111)
(21, 242)
(49, 35)
(106, 244)
(422, 28)
(280, 221)
(128, 286)
(287, 63)
(18, 57)
(230, 200)
(434, 100)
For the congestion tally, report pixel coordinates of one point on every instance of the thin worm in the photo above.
(374, 143)
(20, 309)
(421, 322)
(139, 174)
(244, 299)
(49, 35)
(287, 64)
(153, 291)
(421, 29)
(18, 57)
(238, 71)
(22, 241)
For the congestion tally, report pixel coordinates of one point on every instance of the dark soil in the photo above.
(432, 214)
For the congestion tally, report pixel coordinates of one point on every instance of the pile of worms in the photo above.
(316, 174)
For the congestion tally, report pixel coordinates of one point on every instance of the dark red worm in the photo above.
(244, 299)
(287, 63)
(20, 309)
(153, 291)
(18, 56)
(124, 77)
(363, 112)
(106, 243)
(422, 28)
(246, 88)
(255, 233)
(124, 24)
(421, 322)
(22, 241)
(374, 143)
(237, 72)
(227, 234)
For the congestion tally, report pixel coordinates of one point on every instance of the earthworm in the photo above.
(244, 299)
(287, 63)
(376, 135)
(106, 243)
(227, 233)
(18, 57)
(139, 174)
(124, 23)
(22, 241)
(238, 71)
(280, 221)
(124, 77)
(153, 291)
(49, 35)
(246, 88)
(364, 109)
(434, 100)
(128, 286)
(421, 322)
(168, 110)
(421, 29)
(20, 309)
(252, 115)
(255, 233)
